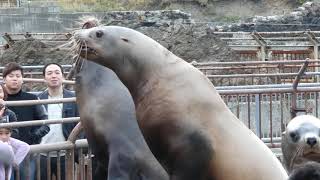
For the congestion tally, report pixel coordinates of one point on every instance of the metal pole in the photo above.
(253, 62)
(312, 38)
(316, 56)
(294, 108)
(258, 115)
(28, 7)
(42, 101)
(39, 122)
(42, 80)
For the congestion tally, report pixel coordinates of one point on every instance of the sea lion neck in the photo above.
(137, 71)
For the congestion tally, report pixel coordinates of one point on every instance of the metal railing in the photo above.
(229, 73)
(258, 72)
(65, 152)
(265, 109)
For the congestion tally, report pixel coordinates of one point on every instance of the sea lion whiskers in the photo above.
(76, 47)
(72, 46)
(298, 153)
(82, 46)
(78, 61)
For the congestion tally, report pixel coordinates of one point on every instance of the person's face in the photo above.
(14, 80)
(4, 134)
(53, 76)
(1, 93)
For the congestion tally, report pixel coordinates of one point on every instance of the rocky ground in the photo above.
(189, 41)
(34, 52)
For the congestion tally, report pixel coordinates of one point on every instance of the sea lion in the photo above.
(183, 119)
(300, 142)
(107, 113)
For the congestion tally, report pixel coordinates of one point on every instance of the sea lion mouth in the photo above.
(86, 50)
(312, 155)
(82, 49)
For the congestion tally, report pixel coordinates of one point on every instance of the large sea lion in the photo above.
(301, 142)
(183, 119)
(108, 115)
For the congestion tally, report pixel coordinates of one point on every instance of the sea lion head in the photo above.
(133, 56)
(301, 141)
(105, 42)
(116, 46)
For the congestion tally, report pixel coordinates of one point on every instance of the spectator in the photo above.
(53, 76)
(12, 151)
(12, 77)
(6, 113)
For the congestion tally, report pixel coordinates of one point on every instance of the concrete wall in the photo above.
(36, 23)
(46, 22)
(56, 23)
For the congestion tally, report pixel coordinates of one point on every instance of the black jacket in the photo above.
(31, 134)
(68, 110)
(11, 116)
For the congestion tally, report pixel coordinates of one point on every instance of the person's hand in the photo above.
(42, 131)
(39, 133)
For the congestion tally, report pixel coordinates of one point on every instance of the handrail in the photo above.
(65, 145)
(39, 101)
(39, 122)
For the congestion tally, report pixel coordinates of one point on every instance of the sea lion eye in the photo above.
(99, 34)
(294, 136)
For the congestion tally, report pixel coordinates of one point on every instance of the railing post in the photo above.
(294, 108)
(258, 115)
(69, 159)
(262, 43)
(70, 153)
(313, 39)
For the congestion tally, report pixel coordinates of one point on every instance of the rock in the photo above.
(307, 4)
(33, 51)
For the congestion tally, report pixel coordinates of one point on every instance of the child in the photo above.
(12, 151)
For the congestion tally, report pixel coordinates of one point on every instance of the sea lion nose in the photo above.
(311, 141)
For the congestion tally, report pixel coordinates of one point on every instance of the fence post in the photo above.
(69, 164)
(70, 153)
(263, 45)
(258, 115)
(312, 38)
(294, 108)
